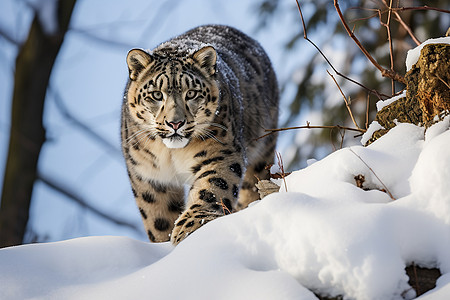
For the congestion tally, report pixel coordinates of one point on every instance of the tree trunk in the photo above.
(34, 64)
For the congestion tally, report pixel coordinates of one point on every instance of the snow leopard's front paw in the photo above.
(190, 221)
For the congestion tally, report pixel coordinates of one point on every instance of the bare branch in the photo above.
(384, 72)
(425, 7)
(66, 191)
(308, 126)
(365, 18)
(305, 36)
(367, 112)
(345, 100)
(373, 172)
(406, 27)
(397, 16)
(387, 25)
(281, 167)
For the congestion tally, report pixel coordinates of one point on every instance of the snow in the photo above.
(323, 235)
(383, 103)
(373, 127)
(413, 54)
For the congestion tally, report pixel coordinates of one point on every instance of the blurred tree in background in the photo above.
(34, 64)
(317, 97)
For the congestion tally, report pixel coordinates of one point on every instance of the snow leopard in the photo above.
(192, 113)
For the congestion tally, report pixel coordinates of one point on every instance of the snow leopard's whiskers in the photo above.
(139, 136)
(135, 135)
(218, 125)
(208, 133)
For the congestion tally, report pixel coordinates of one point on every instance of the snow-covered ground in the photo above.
(320, 233)
(324, 234)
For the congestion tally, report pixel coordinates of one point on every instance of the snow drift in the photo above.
(327, 234)
(324, 235)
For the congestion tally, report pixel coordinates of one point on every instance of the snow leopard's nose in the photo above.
(175, 125)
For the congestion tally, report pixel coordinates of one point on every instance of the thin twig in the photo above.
(365, 18)
(345, 100)
(425, 7)
(341, 144)
(331, 139)
(387, 25)
(308, 126)
(225, 209)
(305, 36)
(406, 27)
(384, 72)
(367, 112)
(281, 166)
(397, 16)
(373, 172)
(342, 134)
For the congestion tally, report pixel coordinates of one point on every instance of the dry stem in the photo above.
(406, 27)
(345, 100)
(384, 72)
(425, 7)
(225, 209)
(397, 16)
(308, 126)
(281, 166)
(373, 172)
(305, 36)
(367, 112)
(388, 30)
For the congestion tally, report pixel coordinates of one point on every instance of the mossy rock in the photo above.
(427, 92)
(427, 81)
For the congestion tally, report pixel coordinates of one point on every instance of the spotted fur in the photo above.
(192, 110)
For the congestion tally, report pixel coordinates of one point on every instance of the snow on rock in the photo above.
(413, 54)
(382, 103)
(373, 127)
(324, 235)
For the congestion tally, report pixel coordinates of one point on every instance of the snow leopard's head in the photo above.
(172, 95)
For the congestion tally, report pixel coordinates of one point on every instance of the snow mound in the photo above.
(324, 235)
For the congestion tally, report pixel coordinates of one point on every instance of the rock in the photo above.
(266, 187)
(422, 279)
(428, 81)
(404, 110)
(427, 92)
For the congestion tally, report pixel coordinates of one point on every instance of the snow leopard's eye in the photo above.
(191, 94)
(156, 95)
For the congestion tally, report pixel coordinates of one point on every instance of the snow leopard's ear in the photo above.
(206, 58)
(137, 60)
